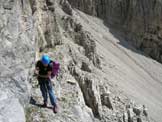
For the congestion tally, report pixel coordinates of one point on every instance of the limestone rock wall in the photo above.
(17, 55)
(30, 27)
(47, 30)
(141, 21)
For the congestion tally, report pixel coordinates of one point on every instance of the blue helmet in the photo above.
(45, 59)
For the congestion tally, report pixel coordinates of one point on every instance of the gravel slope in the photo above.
(136, 74)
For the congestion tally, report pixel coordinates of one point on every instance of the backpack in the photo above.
(55, 68)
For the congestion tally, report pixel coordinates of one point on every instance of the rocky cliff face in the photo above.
(98, 76)
(17, 55)
(84, 88)
(139, 20)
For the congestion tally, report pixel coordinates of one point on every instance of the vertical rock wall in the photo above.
(46, 26)
(17, 54)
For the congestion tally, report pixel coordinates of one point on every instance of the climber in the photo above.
(43, 71)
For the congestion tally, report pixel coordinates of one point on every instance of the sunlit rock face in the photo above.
(17, 54)
(100, 72)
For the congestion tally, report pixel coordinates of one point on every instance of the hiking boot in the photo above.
(44, 104)
(55, 109)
